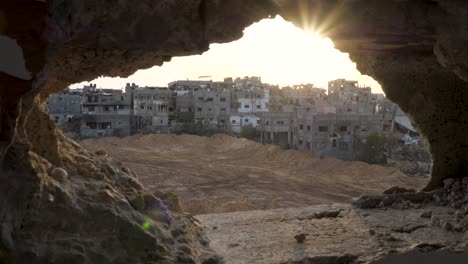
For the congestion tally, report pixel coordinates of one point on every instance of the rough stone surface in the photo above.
(416, 49)
(359, 236)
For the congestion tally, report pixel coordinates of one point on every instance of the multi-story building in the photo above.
(336, 135)
(349, 97)
(212, 107)
(105, 112)
(64, 107)
(184, 108)
(153, 108)
(183, 87)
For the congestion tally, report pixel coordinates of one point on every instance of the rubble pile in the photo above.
(453, 196)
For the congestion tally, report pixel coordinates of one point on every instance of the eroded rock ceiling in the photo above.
(416, 49)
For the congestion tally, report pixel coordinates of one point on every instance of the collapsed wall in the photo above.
(51, 188)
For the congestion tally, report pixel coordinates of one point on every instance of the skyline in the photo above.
(305, 57)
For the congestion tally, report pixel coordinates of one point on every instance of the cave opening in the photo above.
(52, 189)
(340, 119)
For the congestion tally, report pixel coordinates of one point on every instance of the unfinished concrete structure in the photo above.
(105, 112)
(349, 97)
(212, 107)
(277, 128)
(64, 106)
(416, 49)
(335, 135)
(153, 109)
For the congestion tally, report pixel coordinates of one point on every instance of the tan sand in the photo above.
(225, 174)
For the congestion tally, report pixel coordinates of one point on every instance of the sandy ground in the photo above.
(226, 174)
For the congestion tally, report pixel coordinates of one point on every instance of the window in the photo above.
(221, 121)
(106, 125)
(199, 109)
(259, 106)
(171, 109)
(92, 125)
(222, 99)
(160, 121)
(209, 99)
(200, 98)
(267, 123)
(223, 109)
(280, 122)
(233, 121)
(121, 123)
(323, 128)
(334, 143)
(142, 107)
(301, 126)
(246, 120)
(91, 108)
(121, 98)
(246, 106)
(343, 128)
(209, 109)
(300, 142)
(309, 128)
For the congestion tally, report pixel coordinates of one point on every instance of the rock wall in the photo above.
(51, 188)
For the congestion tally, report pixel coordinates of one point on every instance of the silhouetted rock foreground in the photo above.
(91, 210)
(416, 49)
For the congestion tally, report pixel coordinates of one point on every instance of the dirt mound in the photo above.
(225, 174)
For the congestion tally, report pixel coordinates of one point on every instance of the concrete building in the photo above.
(253, 101)
(336, 135)
(64, 107)
(212, 107)
(182, 87)
(277, 128)
(349, 97)
(153, 108)
(105, 112)
(184, 108)
(238, 121)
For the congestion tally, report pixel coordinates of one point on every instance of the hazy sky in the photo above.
(273, 49)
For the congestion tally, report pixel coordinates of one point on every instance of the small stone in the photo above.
(300, 238)
(59, 173)
(215, 227)
(371, 232)
(426, 214)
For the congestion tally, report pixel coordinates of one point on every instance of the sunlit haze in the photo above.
(273, 49)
